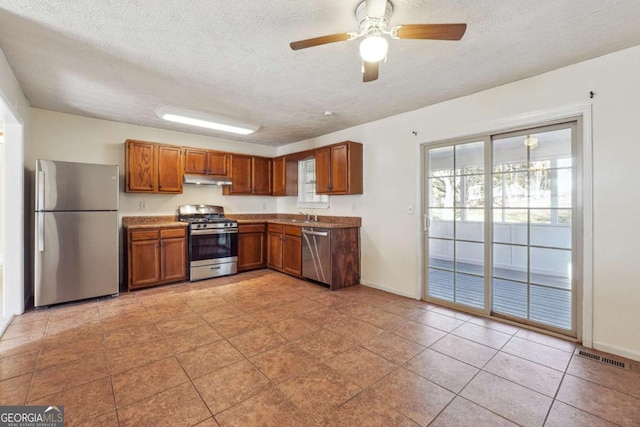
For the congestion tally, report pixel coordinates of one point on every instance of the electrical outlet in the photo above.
(410, 209)
(264, 206)
(354, 208)
(143, 206)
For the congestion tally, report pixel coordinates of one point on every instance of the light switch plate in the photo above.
(410, 209)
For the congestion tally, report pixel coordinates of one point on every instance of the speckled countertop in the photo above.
(285, 219)
(136, 222)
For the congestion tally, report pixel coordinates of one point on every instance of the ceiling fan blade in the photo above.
(432, 31)
(370, 71)
(376, 8)
(317, 41)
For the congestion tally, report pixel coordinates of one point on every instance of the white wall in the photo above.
(14, 112)
(390, 237)
(59, 136)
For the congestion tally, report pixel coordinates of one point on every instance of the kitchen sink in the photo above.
(301, 221)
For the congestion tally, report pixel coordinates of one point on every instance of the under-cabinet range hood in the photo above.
(206, 180)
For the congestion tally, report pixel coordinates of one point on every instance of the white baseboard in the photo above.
(618, 351)
(386, 289)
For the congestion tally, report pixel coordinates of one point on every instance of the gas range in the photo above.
(213, 241)
(203, 217)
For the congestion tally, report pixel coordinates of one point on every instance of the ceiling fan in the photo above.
(373, 19)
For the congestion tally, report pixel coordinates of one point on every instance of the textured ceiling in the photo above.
(120, 60)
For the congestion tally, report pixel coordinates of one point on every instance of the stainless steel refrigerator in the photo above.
(76, 231)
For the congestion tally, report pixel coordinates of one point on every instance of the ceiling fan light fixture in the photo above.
(209, 121)
(374, 48)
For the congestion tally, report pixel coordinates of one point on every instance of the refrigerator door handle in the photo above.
(40, 201)
(41, 231)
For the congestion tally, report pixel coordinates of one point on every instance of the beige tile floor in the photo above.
(265, 349)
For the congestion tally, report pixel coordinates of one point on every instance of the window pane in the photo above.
(442, 192)
(551, 306)
(550, 227)
(510, 262)
(470, 257)
(551, 267)
(470, 158)
(552, 145)
(441, 253)
(470, 191)
(511, 190)
(470, 224)
(510, 298)
(509, 154)
(441, 284)
(441, 223)
(470, 290)
(510, 226)
(441, 161)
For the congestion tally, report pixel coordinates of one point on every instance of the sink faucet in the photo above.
(306, 215)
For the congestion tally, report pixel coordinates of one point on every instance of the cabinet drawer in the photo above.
(145, 235)
(275, 228)
(173, 232)
(292, 230)
(250, 228)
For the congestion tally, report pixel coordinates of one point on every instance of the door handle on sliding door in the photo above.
(426, 223)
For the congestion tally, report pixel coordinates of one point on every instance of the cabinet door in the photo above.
(144, 263)
(285, 176)
(340, 169)
(251, 251)
(240, 175)
(274, 250)
(278, 176)
(140, 166)
(195, 161)
(174, 259)
(292, 255)
(169, 169)
(261, 173)
(218, 163)
(323, 170)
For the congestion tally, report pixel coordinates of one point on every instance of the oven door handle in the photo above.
(221, 231)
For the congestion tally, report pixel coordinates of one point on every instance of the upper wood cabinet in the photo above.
(250, 175)
(152, 168)
(285, 176)
(206, 162)
(339, 168)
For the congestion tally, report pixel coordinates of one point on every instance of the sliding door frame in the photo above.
(581, 114)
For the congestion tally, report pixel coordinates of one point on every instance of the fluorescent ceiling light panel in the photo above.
(208, 121)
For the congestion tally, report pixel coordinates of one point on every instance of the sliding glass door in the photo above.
(501, 225)
(456, 181)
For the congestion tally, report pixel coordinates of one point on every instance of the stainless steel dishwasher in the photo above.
(316, 254)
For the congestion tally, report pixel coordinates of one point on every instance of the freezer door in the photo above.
(67, 186)
(76, 256)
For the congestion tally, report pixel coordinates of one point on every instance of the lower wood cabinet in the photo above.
(285, 249)
(252, 252)
(156, 256)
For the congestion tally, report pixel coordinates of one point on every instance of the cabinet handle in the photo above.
(204, 171)
(159, 185)
(150, 185)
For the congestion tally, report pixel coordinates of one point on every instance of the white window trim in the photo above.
(323, 203)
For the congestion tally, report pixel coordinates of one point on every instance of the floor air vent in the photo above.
(597, 358)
